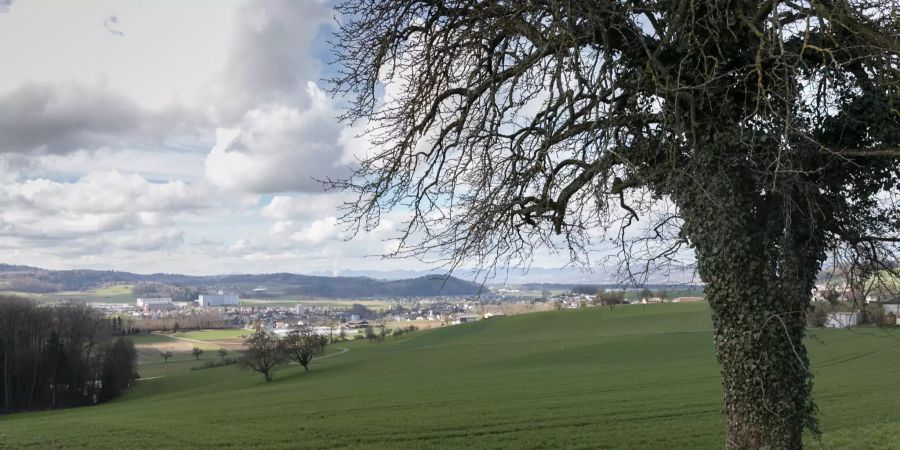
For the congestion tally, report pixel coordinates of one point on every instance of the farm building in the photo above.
(220, 299)
(687, 299)
(357, 324)
(892, 307)
(155, 304)
(842, 320)
(466, 319)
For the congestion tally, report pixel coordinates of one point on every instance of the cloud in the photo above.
(111, 23)
(5, 6)
(63, 118)
(150, 241)
(97, 203)
(279, 149)
(319, 231)
(278, 130)
(304, 206)
(271, 54)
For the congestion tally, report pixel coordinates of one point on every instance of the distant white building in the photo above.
(892, 307)
(220, 299)
(300, 309)
(465, 319)
(155, 304)
(842, 320)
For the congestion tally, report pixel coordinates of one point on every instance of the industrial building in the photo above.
(155, 304)
(220, 299)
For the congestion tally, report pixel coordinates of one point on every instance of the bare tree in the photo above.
(302, 345)
(263, 353)
(197, 353)
(222, 354)
(165, 356)
(762, 135)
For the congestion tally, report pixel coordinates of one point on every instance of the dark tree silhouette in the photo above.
(302, 345)
(165, 356)
(761, 135)
(197, 353)
(263, 353)
(58, 356)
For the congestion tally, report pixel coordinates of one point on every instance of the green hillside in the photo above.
(633, 377)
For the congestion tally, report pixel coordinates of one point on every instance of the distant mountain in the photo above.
(568, 276)
(37, 280)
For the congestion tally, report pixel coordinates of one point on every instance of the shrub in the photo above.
(211, 363)
(817, 316)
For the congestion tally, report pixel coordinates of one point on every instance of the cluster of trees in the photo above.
(29, 283)
(375, 334)
(157, 289)
(201, 320)
(66, 355)
(364, 313)
(611, 298)
(401, 331)
(265, 351)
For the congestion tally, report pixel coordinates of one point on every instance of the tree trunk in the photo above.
(759, 258)
(765, 377)
(7, 391)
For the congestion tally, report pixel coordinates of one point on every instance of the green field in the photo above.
(213, 335)
(116, 293)
(632, 377)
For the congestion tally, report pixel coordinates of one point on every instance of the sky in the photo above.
(178, 136)
(173, 136)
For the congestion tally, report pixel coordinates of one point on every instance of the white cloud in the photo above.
(278, 148)
(171, 53)
(302, 206)
(271, 59)
(319, 231)
(108, 152)
(98, 202)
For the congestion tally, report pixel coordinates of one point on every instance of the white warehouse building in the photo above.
(155, 304)
(220, 299)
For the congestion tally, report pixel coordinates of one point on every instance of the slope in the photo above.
(632, 377)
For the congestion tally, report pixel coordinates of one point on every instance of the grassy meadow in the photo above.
(115, 293)
(631, 377)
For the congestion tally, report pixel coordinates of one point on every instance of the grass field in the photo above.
(117, 293)
(632, 377)
(215, 335)
(151, 346)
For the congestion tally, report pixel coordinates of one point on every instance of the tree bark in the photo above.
(759, 258)
(764, 366)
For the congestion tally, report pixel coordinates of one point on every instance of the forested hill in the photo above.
(37, 280)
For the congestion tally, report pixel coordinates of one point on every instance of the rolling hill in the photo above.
(37, 280)
(632, 377)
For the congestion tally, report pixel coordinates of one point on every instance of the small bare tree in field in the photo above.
(302, 345)
(166, 355)
(263, 353)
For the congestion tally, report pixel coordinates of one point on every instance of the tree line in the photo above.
(158, 289)
(60, 356)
